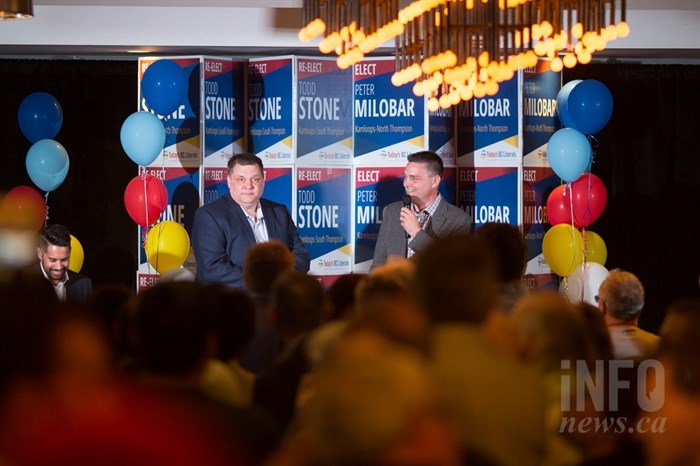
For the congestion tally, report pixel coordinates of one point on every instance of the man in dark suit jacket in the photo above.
(54, 258)
(224, 229)
(410, 227)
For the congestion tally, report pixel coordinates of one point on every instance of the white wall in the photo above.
(129, 27)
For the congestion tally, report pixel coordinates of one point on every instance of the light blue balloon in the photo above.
(569, 154)
(47, 164)
(142, 136)
(563, 103)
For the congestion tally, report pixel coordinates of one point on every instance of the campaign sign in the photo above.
(182, 127)
(223, 110)
(323, 217)
(375, 188)
(271, 109)
(390, 121)
(488, 129)
(538, 183)
(489, 194)
(278, 185)
(540, 88)
(324, 112)
(441, 134)
(183, 199)
(215, 183)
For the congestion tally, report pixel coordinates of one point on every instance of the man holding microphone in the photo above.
(410, 226)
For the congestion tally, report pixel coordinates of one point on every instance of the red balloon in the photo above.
(558, 206)
(23, 207)
(145, 199)
(589, 197)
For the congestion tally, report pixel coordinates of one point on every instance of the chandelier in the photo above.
(455, 50)
(16, 9)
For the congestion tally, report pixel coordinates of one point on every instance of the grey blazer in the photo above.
(446, 220)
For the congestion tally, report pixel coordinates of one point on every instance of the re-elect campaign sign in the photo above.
(278, 185)
(375, 188)
(271, 109)
(324, 112)
(223, 110)
(540, 88)
(182, 185)
(182, 127)
(538, 183)
(488, 129)
(323, 217)
(390, 121)
(489, 194)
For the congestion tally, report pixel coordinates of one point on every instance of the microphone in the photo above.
(407, 203)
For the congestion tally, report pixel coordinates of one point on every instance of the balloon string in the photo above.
(573, 224)
(145, 231)
(46, 205)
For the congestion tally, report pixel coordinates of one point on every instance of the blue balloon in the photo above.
(164, 86)
(39, 116)
(590, 106)
(563, 102)
(47, 164)
(142, 137)
(569, 154)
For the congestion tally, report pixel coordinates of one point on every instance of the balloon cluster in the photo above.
(570, 249)
(40, 117)
(142, 136)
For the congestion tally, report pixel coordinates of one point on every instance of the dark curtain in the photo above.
(96, 97)
(648, 159)
(645, 156)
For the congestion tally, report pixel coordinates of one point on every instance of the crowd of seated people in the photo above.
(417, 363)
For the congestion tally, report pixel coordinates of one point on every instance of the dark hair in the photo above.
(682, 346)
(340, 296)
(172, 323)
(431, 159)
(296, 300)
(508, 246)
(234, 318)
(455, 280)
(55, 235)
(263, 263)
(244, 158)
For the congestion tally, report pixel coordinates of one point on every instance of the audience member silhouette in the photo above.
(234, 326)
(621, 299)
(672, 431)
(492, 399)
(295, 306)
(509, 249)
(264, 262)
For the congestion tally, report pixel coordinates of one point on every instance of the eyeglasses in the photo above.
(596, 298)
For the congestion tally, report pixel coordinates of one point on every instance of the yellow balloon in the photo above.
(596, 250)
(77, 255)
(167, 246)
(562, 248)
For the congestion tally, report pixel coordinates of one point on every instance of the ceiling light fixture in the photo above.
(16, 9)
(459, 49)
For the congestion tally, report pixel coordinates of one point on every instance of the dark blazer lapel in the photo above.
(271, 222)
(237, 213)
(439, 217)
